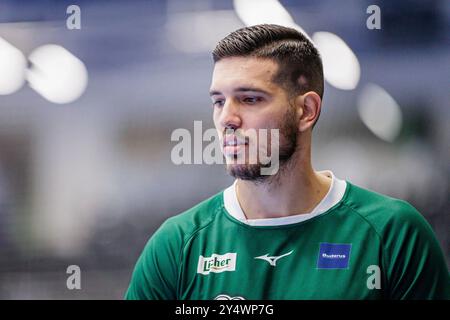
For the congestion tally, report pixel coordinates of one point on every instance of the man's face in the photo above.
(245, 100)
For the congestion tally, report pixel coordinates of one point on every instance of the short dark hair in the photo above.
(300, 65)
(299, 61)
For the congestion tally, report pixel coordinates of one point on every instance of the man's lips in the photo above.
(234, 141)
(232, 145)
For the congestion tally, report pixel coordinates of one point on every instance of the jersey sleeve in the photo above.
(156, 272)
(415, 264)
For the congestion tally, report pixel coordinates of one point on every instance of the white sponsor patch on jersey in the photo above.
(217, 263)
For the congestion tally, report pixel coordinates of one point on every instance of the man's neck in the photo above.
(295, 192)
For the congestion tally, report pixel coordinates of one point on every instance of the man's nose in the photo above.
(230, 116)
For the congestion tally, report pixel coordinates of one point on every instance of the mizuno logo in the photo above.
(272, 260)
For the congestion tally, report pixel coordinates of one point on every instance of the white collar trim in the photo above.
(333, 196)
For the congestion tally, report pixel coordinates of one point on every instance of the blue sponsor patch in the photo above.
(334, 255)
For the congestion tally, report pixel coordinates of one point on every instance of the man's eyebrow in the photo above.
(240, 89)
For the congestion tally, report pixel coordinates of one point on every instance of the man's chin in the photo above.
(250, 172)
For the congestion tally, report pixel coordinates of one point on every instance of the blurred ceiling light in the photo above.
(253, 12)
(12, 68)
(380, 112)
(57, 74)
(206, 28)
(340, 65)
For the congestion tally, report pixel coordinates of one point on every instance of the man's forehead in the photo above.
(242, 71)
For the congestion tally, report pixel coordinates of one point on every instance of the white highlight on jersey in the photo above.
(227, 297)
(272, 260)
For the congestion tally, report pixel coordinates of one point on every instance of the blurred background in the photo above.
(88, 105)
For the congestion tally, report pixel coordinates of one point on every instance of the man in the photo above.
(295, 233)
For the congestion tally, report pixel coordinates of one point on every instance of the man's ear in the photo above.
(308, 108)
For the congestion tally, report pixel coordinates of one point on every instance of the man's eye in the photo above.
(252, 100)
(218, 103)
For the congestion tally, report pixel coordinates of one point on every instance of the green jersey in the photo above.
(356, 244)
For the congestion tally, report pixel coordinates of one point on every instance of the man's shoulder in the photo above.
(382, 211)
(195, 218)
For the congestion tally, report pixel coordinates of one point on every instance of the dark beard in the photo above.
(288, 131)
